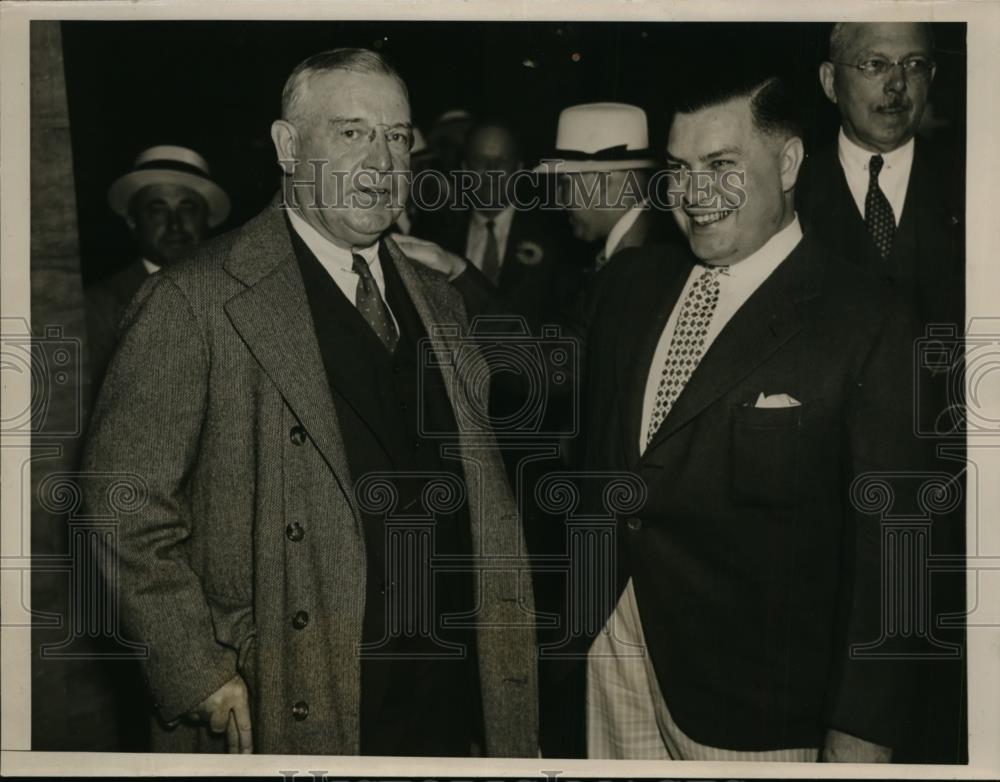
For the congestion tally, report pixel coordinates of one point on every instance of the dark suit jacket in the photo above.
(927, 262)
(218, 412)
(753, 572)
(540, 291)
(927, 267)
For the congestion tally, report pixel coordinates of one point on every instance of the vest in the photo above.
(419, 679)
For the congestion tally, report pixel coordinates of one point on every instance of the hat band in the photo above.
(619, 152)
(172, 165)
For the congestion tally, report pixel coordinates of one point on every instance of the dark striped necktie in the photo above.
(371, 305)
(878, 211)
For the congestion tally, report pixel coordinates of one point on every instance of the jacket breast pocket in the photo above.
(772, 460)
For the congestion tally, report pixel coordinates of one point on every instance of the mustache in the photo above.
(895, 103)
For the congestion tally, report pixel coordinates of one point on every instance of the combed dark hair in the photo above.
(773, 106)
(342, 59)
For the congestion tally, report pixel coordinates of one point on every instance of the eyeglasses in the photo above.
(876, 68)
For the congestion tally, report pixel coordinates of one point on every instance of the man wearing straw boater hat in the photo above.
(170, 204)
(603, 161)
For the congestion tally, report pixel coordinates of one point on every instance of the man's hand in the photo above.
(843, 748)
(431, 255)
(228, 710)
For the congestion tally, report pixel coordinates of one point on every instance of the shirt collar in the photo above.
(151, 268)
(857, 158)
(771, 253)
(332, 256)
(501, 221)
(619, 229)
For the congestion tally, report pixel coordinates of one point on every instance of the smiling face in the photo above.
(882, 113)
(723, 142)
(167, 221)
(356, 127)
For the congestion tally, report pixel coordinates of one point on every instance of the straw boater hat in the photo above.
(600, 137)
(167, 165)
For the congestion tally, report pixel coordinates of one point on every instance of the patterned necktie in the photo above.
(687, 345)
(371, 306)
(491, 254)
(878, 211)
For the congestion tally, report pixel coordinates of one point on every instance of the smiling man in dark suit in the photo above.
(307, 468)
(747, 384)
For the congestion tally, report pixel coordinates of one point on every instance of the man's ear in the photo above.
(826, 78)
(285, 138)
(792, 155)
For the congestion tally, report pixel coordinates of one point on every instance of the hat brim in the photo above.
(125, 187)
(585, 166)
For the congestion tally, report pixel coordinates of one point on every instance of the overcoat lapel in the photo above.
(272, 317)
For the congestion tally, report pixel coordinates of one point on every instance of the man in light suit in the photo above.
(303, 467)
(747, 384)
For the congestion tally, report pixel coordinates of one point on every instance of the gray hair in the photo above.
(342, 59)
(840, 38)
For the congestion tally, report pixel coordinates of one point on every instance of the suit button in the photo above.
(634, 524)
(297, 434)
(300, 711)
(300, 620)
(294, 532)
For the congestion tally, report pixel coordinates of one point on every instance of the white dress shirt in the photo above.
(627, 716)
(151, 268)
(339, 261)
(892, 179)
(475, 242)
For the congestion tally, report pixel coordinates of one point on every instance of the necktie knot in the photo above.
(361, 267)
(875, 166)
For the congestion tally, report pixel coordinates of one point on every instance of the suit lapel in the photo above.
(272, 317)
(654, 295)
(512, 270)
(765, 322)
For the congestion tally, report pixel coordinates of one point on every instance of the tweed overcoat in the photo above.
(214, 445)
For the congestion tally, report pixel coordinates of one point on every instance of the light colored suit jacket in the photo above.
(195, 452)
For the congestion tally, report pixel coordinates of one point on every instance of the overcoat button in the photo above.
(300, 620)
(297, 434)
(295, 532)
(300, 711)
(634, 524)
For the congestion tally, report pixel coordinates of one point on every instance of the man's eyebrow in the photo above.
(350, 120)
(709, 156)
(721, 152)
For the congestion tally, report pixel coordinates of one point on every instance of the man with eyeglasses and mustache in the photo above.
(881, 197)
(892, 203)
(321, 504)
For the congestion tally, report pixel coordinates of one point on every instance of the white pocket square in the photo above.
(777, 400)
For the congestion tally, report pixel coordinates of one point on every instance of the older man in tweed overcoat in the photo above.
(255, 388)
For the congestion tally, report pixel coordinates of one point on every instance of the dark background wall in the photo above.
(216, 86)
